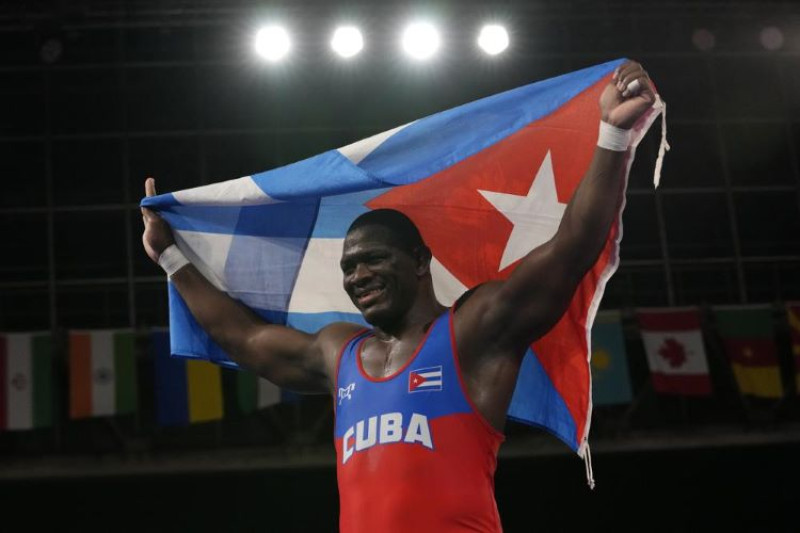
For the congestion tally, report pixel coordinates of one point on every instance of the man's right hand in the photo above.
(157, 235)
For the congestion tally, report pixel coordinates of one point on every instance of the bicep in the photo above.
(530, 302)
(287, 357)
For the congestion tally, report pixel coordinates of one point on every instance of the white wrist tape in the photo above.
(172, 260)
(613, 138)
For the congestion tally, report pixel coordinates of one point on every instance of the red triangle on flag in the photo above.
(451, 213)
(414, 381)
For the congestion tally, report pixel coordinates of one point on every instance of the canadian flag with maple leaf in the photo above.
(673, 341)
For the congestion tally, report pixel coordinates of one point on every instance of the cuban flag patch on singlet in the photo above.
(425, 379)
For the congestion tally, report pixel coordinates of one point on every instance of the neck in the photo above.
(424, 311)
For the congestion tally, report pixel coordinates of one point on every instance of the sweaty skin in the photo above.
(394, 291)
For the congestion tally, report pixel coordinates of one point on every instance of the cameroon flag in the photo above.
(793, 312)
(749, 338)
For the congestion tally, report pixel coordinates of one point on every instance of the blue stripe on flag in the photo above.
(268, 220)
(458, 133)
(336, 213)
(313, 322)
(190, 340)
(159, 202)
(536, 402)
(172, 407)
(326, 174)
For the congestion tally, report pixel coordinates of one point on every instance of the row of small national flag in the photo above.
(102, 368)
(675, 341)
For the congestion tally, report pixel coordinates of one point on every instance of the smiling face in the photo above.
(381, 278)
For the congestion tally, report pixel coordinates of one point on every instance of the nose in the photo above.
(360, 272)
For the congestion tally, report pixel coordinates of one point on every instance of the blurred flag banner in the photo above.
(611, 383)
(26, 381)
(102, 373)
(748, 334)
(676, 355)
(186, 391)
(793, 315)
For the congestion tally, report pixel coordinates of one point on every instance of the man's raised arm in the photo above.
(287, 357)
(530, 302)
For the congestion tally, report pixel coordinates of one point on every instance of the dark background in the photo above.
(173, 90)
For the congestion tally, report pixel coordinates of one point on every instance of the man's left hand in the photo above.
(629, 95)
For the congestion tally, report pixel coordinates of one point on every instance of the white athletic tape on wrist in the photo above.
(172, 260)
(613, 138)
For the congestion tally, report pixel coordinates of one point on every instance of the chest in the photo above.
(418, 378)
(380, 360)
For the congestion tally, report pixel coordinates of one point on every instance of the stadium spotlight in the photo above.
(421, 40)
(493, 39)
(771, 38)
(273, 43)
(347, 41)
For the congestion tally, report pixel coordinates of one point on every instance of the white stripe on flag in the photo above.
(268, 393)
(19, 381)
(428, 375)
(103, 377)
(319, 282)
(357, 151)
(445, 285)
(208, 252)
(241, 191)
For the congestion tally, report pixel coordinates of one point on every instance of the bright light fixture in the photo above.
(493, 39)
(421, 40)
(273, 43)
(347, 41)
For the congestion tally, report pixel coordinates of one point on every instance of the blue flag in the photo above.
(610, 377)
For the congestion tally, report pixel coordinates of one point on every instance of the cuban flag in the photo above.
(485, 182)
(425, 379)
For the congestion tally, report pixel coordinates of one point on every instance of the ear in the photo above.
(422, 257)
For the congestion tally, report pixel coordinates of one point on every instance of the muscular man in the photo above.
(421, 398)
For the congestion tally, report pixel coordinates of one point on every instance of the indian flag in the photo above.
(102, 373)
(26, 381)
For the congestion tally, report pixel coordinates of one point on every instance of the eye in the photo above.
(375, 259)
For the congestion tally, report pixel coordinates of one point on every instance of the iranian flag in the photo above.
(673, 341)
(793, 313)
(102, 373)
(26, 380)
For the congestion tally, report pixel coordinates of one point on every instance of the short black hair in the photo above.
(404, 234)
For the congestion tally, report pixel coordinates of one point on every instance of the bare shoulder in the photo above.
(331, 339)
(478, 321)
(474, 303)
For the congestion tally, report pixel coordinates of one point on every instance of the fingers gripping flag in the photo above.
(485, 183)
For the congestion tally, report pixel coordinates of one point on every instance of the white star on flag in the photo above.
(535, 217)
